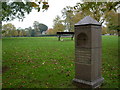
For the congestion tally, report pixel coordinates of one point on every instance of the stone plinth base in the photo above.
(87, 84)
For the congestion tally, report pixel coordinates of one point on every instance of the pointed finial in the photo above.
(88, 21)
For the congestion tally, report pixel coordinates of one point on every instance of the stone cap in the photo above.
(88, 21)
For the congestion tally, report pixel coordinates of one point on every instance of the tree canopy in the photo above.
(39, 27)
(58, 26)
(12, 10)
(68, 14)
(113, 22)
(8, 29)
(101, 11)
(98, 10)
(43, 27)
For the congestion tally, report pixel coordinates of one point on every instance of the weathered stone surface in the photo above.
(87, 84)
(88, 53)
(83, 55)
(87, 21)
(83, 71)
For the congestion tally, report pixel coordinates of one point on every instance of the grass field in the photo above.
(42, 62)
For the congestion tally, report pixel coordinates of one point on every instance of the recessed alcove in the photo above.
(82, 40)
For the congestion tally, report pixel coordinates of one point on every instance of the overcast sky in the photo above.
(44, 17)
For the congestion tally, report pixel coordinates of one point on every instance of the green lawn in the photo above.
(42, 62)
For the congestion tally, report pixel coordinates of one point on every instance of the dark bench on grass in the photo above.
(61, 33)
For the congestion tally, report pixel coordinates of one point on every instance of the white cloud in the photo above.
(45, 17)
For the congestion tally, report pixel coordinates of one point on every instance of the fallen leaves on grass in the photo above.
(5, 69)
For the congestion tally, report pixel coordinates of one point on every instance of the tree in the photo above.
(33, 33)
(50, 31)
(28, 31)
(104, 30)
(43, 27)
(8, 26)
(67, 14)
(15, 33)
(36, 26)
(13, 10)
(24, 33)
(58, 26)
(113, 22)
(8, 29)
(77, 17)
(21, 32)
(97, 10)
(39, 27)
